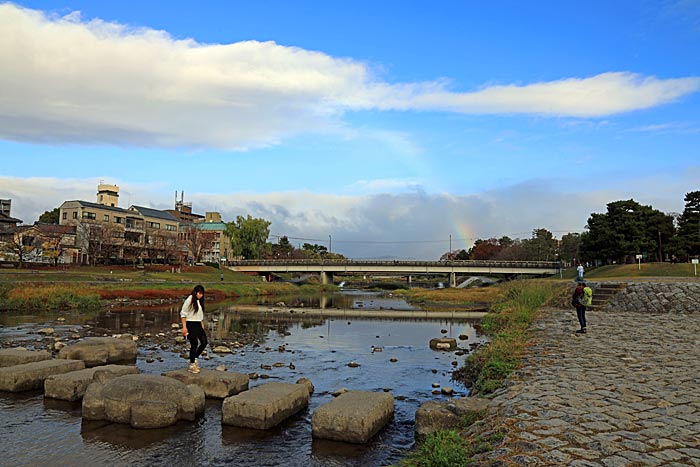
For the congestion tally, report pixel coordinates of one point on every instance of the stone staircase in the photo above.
(603, 293)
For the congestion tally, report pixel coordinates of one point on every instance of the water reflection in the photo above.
(36, 431)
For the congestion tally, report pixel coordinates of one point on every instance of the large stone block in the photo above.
(95, 351)
(264, 406)
(353, 417)
(72, 386)
(216, 384)
(32, 375)
(433, 416)
(138, 400)
(12, 357)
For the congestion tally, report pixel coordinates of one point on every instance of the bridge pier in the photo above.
(326, 277)
(408, 281)
(453, 279)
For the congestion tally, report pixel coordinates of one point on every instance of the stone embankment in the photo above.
(657, 297)
(625, 394)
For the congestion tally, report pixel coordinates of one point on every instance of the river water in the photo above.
(35, 431)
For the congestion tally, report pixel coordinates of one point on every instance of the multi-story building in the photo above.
(105, 232)
(7, 221)
(183, 211)
(206, 241)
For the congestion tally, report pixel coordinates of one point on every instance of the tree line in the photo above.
(625, 230)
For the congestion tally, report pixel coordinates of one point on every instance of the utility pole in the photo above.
(450, 252)
(661, 259)
(330, 244)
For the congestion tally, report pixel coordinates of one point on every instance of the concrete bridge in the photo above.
(326, 268)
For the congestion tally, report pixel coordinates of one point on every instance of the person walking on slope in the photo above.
(578, 300)
(192, 315)
(579, 270)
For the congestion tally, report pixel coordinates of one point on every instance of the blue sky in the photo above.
(389, 125)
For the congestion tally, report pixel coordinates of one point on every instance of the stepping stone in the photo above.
(216, 384)
(143, 401)
(443, 343)
(12, 357)
(353, 417)
(264, 406)
(72, 386)
(95, 351)
(30, 376)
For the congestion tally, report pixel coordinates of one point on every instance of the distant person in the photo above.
(579, 300)
(192, 315)
(579, 270)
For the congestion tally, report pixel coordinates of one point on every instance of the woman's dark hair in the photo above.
(195, 302)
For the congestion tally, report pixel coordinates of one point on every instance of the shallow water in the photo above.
(36, 431)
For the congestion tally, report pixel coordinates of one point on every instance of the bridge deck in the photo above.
(401, 267)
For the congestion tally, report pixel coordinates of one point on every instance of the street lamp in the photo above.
(330, 244)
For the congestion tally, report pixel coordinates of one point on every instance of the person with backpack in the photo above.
(192, 315)
(580, 301)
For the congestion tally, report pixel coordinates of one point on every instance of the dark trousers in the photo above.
(581, 315)
(197, 338)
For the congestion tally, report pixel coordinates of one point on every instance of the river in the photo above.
(37, 431)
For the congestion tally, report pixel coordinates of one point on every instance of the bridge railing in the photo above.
(370, 262)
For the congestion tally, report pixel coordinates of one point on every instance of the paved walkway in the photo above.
(626, 394)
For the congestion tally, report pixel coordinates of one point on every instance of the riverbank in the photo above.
(620, 395)
(624, 394)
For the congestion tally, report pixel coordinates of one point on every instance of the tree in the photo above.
(569, 247)
(196, 241)
(50, 217)
(282, 249)
(18, 244)
(485, 249)
(249, 236)
(627, 229)
(541, 247)
(689, 225)
(314, 251)
(55, 240)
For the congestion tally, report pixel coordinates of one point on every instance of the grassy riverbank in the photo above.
(88, 287)
(513, 310)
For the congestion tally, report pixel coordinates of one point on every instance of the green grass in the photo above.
(617, 271)
(507, 325)
(440, 449)
(448, 448)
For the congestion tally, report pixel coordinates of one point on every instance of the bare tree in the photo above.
(18, 244)
(56, 240)
(196, 241)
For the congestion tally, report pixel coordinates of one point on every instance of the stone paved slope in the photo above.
(625, 394)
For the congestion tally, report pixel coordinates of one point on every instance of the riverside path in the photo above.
(626, 394)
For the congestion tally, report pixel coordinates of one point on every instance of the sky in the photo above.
(387, 129)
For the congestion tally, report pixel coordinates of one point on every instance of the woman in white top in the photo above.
(192, 315)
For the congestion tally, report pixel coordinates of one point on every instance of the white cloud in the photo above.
(669, 128)
(403, 225)
(66, 80)
(385, 185)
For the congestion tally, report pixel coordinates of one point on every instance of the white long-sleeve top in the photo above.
(188, 312)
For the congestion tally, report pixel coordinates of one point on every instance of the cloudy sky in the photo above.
(390, 127)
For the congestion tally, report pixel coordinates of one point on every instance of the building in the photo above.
(7, 221)
(40, 243)
(105, 232)
(206, 241)
(183, 211)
